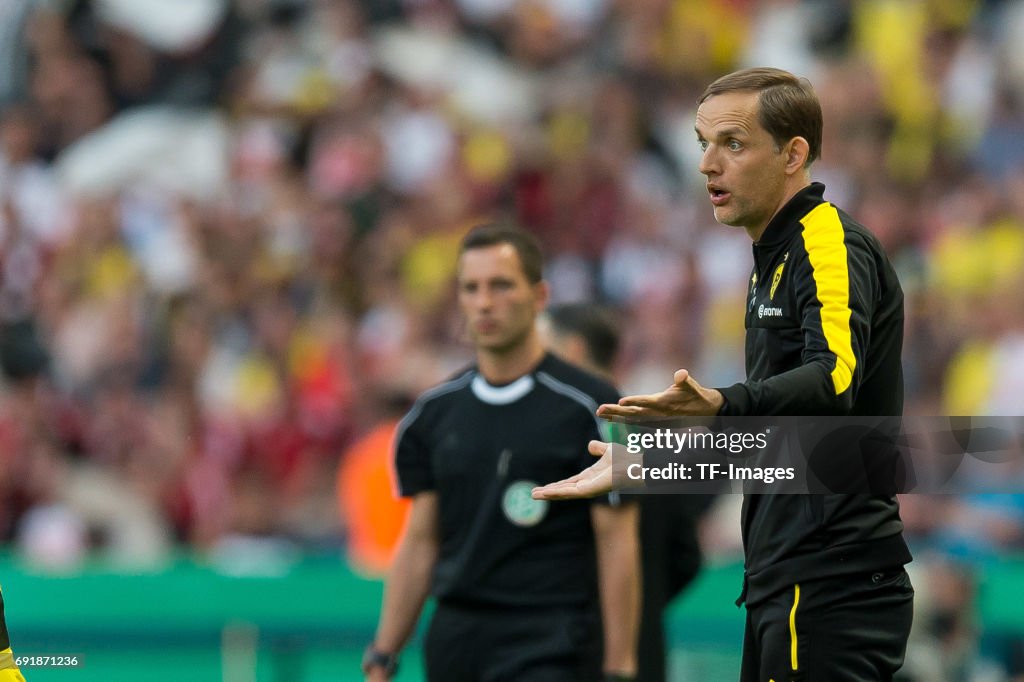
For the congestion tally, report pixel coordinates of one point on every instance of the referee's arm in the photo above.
(408, 581)
(618, 563)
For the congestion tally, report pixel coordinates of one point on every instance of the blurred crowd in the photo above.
(228, 229)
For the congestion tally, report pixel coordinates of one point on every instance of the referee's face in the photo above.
(499, 302)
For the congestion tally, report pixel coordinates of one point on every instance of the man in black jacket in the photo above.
(586, 335)
(824, 585)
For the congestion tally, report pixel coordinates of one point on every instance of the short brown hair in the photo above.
(788, 107)
(592, 323)
(525, 244)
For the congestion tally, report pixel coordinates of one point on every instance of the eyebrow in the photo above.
(728, 132)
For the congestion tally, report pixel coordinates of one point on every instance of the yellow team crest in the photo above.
(776, 278)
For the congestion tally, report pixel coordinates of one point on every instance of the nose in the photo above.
(709, 162)
(482, 299)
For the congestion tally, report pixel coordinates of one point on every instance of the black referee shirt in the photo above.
(482, 448)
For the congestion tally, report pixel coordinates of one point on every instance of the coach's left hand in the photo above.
(684, 398)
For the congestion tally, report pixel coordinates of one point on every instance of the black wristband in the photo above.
(372, 658)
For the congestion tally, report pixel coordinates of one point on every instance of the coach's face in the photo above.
(499, 302)
(746, 171)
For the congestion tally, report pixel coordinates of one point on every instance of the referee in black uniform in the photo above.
(521, 585)
(826, 594)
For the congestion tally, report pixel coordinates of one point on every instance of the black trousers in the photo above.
(849, 628)
(671, 559)
(512, 645)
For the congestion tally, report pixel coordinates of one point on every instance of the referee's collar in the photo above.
(788, 218)
(501, 395)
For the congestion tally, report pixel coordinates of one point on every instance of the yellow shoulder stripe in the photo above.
(826, 251)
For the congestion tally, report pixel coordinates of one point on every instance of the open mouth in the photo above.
(718, 196)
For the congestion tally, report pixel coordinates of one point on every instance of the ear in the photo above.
(541, 295)
(797, 152)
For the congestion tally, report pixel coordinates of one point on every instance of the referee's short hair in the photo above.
(492, 234)
(594, 324)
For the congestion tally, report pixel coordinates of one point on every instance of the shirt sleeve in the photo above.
(836, 295)
(413, 469)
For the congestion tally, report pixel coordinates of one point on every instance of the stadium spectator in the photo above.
(367, 500)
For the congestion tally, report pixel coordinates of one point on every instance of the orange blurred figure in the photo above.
(372, 511)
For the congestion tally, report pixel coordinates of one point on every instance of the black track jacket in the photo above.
(824, 325)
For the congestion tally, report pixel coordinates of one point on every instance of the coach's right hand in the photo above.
(684, 398)
(592, 481)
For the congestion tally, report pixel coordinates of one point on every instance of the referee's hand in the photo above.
(594, 480)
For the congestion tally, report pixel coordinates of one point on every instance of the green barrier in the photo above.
(189, 621)
(706, 614)
(193, 597)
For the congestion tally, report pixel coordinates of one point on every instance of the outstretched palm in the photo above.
(684, 398)
(594, 480)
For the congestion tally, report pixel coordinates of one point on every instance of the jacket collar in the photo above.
(787, 220)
